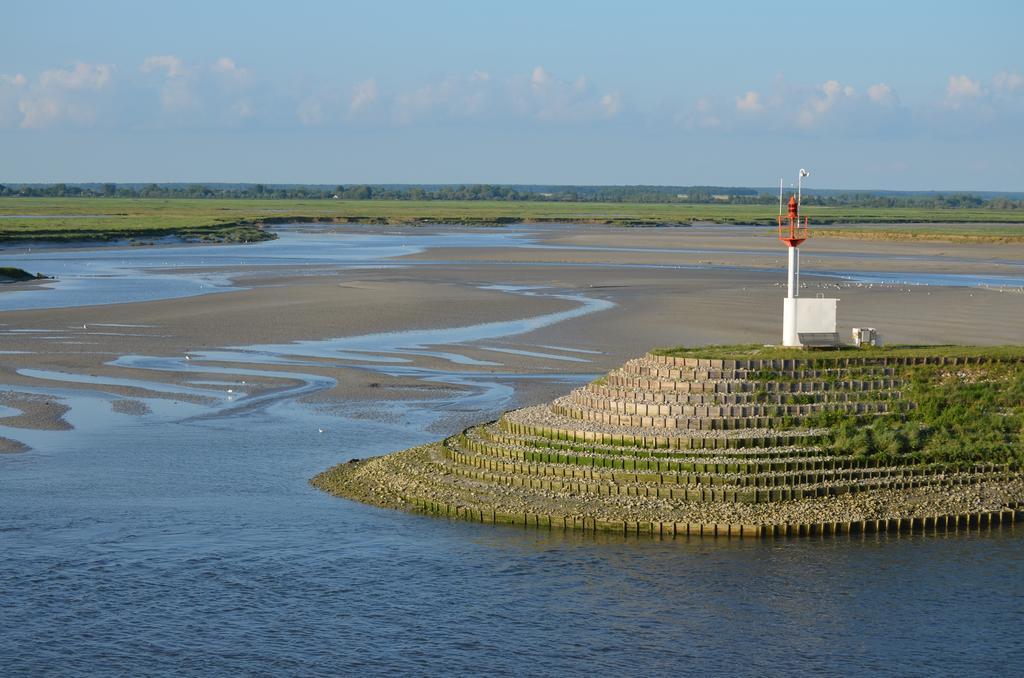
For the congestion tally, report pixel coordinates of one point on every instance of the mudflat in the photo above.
(664, 286)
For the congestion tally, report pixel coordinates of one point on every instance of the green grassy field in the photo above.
(115, 218)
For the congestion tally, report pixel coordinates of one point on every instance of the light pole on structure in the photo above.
(794, 251)
(799, 186)
(793, 231)
(814, 319)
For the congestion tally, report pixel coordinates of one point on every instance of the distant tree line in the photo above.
(923, 201)
(633, 194)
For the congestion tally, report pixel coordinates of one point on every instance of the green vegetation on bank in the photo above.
(13, 274)
(960, 415)
(923, 231)
(534, 193)
(957, 413)
(770, 352)
(243, 220)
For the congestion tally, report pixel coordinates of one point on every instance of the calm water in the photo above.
(189, 541)
(113, 275)
(198, 547)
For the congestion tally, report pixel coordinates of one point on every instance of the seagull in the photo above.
(319, 430)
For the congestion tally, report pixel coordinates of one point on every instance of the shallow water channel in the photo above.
(122, 274)
(188, 540)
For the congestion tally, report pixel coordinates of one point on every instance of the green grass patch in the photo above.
(762, 352)
(953, 415)
(929, 232)
(18, 274)
(960, 416)
(241, 219)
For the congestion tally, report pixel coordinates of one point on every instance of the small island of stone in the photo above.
(737, 441)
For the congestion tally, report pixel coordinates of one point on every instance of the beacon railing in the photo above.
(793, 230)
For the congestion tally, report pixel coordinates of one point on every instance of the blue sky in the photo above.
(899, 95)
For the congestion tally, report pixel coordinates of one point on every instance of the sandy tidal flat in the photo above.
(654, 287)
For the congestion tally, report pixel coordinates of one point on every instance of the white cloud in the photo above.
(82, 76)
(784, 107)
(749, 103)
(612, 104)
(455, 96)
(217, 92)
(43, 109)
(177, 93)
(61, 94)
(540, 77)
(543, 96)
(335, 105)
(881, 93)
(38, 112)
(171, 65)
(1007, 81)
(961, 88)
(177, 96)
(230, 70)
(832, 92)
(12, 88)
(538, 95)
(364, 95)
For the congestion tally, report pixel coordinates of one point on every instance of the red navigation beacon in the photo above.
(815, 317)
(791, 230)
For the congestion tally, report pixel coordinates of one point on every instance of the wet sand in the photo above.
(34, 411)
(653, 306)
(8, 446)
(755, 247)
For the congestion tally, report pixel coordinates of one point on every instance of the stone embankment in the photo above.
(693, 446)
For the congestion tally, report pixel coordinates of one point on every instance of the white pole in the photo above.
(799, 187)
(799, 200)
(792, 293)
(796, 276)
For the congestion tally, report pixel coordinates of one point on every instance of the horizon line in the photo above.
(807, 189)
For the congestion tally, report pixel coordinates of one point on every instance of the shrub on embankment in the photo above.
(13, 274)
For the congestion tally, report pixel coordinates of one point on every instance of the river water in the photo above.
(189, 542)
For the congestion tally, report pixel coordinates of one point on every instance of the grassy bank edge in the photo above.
(771, 352)
(14, 274)
(64, 219)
